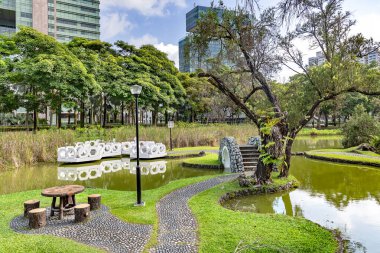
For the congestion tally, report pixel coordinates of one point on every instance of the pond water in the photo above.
(113, 174)
(336, 196)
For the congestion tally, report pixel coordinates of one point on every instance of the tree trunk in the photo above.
(284, 172)
(90, 116)
(154, 118)
(326, 120)
(59, 116)
(122, 113)
(69, 118)
(319, 121)
(82, 113)
(104, 112)
(35, 118)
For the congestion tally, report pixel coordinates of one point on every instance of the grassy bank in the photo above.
(120, 203)
(223, 230)
(208, 159)
(348, 155)
(314, 131)
(25, 148)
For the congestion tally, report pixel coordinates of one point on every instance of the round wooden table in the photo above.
(66, 195)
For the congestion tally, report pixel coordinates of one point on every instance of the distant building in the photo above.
(60, 19)
(371, 57)
(189, 60)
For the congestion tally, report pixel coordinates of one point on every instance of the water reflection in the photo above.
(336, 196)
(88, 172)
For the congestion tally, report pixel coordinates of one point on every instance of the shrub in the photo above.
(360, 128)
(376, 143)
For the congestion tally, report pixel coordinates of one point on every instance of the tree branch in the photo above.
(251, 93)
(219, 84)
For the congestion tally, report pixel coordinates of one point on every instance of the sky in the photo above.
(162, 22)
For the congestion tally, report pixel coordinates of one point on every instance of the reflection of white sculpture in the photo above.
(149, 150)
(91, 172)
(149, 167)
(95, 171)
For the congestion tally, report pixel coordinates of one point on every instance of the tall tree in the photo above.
(255, 49)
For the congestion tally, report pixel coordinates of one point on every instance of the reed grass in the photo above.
(19, 149)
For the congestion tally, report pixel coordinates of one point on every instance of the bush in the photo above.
(360, 128)
(376, 143)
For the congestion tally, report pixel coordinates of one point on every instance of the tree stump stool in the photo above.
(82, 212)
(30, 205)
(94, 200)
(37, 218)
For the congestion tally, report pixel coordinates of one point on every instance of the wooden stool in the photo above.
(94, 201)
(82, 212)
(37, 218)
(29, 205)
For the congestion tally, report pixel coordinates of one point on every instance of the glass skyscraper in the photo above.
(61, 19)
(188, 59)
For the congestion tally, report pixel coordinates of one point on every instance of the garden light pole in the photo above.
(136, 90)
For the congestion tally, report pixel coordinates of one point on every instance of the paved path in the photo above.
(177, 225)
(103, 230)
(194, 151)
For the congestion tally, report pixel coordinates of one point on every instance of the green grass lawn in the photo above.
(120, 203)
(200, 148)
(346, 157)
(208, 159)
(222, 230)
(314, 131)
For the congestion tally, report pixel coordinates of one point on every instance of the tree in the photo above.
(360, 128)
(255, 49)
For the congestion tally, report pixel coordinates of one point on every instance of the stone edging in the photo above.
(202, 166)
(256, 190)
(339, 160)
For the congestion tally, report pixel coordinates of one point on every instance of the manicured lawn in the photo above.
(222, 230)
(200, 148)
(208, 159)
(120, 203)
(314, 131)
(351, 154)
(346, 157)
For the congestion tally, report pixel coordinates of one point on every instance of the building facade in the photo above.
(61, 19)
(189, 61)
(373, 56)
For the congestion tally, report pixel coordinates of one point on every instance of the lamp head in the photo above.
(136, 89)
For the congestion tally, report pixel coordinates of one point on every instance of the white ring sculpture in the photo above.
(95, 150)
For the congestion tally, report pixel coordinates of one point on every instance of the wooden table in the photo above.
(66, 195)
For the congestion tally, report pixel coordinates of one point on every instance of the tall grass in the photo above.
(25, 148)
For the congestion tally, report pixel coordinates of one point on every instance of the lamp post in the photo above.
(136, 90)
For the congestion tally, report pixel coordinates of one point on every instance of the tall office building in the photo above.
(189, 60)
(373, 56)
(61, 19)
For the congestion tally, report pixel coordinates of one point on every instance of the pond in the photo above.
(113, 174)
(336, 196)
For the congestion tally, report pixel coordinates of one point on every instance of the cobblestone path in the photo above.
(103, 230)
(177, 225)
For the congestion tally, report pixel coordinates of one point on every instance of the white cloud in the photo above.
(113, 24)
(145, 7)
(170, 49)
(144, 40)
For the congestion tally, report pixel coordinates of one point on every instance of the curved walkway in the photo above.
(103, 230)
(177, 230)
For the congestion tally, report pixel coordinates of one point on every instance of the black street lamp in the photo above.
(136, 90)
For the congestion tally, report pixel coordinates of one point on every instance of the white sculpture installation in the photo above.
(95, 171)
(95, 150)
(149, 150)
